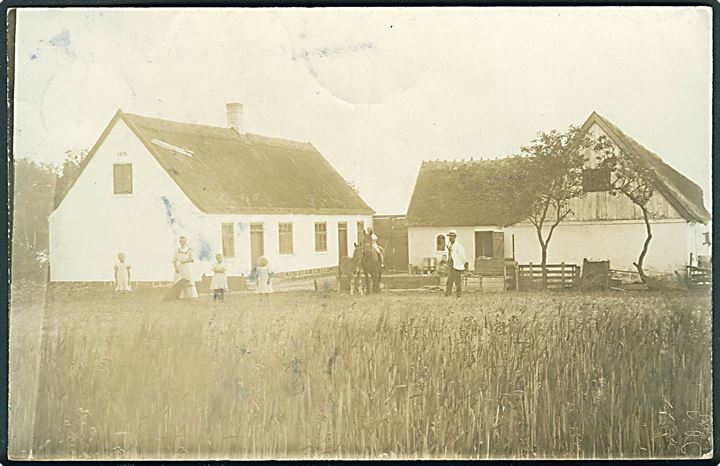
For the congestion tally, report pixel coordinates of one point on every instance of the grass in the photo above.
(389, 376)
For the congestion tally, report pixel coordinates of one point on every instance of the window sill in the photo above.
(123, 194)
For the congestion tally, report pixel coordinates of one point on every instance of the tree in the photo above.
(33, 191)
(70, 170)
(554, 179)
(629, 177)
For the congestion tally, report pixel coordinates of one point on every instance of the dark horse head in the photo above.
(367, 261)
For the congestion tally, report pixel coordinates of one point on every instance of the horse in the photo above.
(367, 261)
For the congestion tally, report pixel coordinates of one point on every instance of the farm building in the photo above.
(392, 236)
(148, 181)
(491, 219)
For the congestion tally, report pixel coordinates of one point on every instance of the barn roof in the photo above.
(225, 172)
(485, 192)
(684, 195)
(492, 192)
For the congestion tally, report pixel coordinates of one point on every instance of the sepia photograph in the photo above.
(379, 233)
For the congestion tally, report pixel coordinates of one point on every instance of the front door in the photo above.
(342, 240)
(257, 243)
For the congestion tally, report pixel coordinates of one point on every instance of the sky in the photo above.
(376, 90)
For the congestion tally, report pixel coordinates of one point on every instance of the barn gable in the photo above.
(492, 192)
(683, 194)
(223, 172)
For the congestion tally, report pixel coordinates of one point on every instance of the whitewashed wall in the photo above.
(421, 242)
(304, 255)
(618, 242)
(696, 240)
(92, 225)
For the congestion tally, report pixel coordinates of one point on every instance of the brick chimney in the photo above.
(234, 116)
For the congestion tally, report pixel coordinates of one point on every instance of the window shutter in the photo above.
(122, 178)
(498, 241)
(228, 240)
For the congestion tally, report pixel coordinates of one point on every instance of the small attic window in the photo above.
(596, 180)
(122, 178)
(171, 147)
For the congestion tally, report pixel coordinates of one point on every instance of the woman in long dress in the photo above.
(183, 269)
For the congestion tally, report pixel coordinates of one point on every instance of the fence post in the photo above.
(576, 275)
(562, 274)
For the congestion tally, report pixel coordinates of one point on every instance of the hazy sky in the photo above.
(375, 90)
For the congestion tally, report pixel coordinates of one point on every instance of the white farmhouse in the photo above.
(148, 181)
(479, 200)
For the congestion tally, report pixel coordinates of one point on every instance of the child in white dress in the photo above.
(263, 272)
(122, 274)
(219, 283)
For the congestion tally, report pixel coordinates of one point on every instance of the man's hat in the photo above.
(452, 232)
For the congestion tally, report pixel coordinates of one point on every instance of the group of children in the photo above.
(218, 284)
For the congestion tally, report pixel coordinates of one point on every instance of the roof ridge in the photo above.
(679, 196)
(649, 151)
(231, 132)
(165, 120)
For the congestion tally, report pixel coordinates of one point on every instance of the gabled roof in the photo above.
(224, 172)
(476, 193)
(493, 192)
(684, 195)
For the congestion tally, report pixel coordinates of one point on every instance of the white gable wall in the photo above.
(92, 224)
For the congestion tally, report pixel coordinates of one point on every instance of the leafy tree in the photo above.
(70, 170)
(33, 191)
(554, 179)
(36, 188)
(629, 177)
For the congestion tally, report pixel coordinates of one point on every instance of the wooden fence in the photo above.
(559, 276)
(699, 276)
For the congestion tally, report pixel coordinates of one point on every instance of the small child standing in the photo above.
(219, 283)
(263, 272)
(122, 274)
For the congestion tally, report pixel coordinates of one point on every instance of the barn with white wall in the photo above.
(479, 199)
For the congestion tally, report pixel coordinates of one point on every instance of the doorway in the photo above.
(342, 240)
(257, 243)
(489, 244)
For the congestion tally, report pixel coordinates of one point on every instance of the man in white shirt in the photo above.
(457, 263)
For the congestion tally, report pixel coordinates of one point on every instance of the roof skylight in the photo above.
(171, 147)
